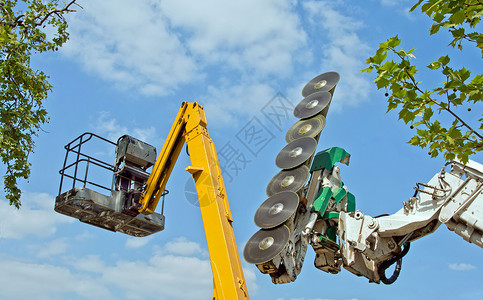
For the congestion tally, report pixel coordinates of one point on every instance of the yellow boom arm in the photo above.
(190, 126)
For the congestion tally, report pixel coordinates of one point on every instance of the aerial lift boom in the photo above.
(136, 193)
(190, 126)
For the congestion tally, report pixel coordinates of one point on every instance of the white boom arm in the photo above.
(369, 245)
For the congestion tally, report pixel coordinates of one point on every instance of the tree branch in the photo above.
(472, 4)
(58, 12)
(416, 87)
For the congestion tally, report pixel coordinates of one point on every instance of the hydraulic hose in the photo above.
(387, 263)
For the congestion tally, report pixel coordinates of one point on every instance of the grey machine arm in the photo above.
(369, 245)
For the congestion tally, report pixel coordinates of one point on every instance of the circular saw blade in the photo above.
(308, 127)
(288, 180)
(296, 153)
(276, 210)
(312, 105)
(323, 82)
(264, 245)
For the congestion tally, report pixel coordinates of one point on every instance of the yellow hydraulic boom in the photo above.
(135, 193)
(190, 126)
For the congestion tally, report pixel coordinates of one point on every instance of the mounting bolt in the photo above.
(391, 245)
(372, 224)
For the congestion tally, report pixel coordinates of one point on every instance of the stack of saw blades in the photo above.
(276, 215)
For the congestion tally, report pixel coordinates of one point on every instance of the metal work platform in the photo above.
(107, 207)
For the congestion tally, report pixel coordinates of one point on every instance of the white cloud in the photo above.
(169, 274)
(35, 217)
(89, 263)
(312, 299)
(461, 267)
(84, 236)
(164, 276)
(50, 249)
(138, 242)
(224, 104)
(250, 278)
(109, 127)
(304, 299)
(400, 6)
(25, 280)
(155, 46)
(181, 246)
(253, 35)
(344, 51)
(129, 44)
(399, 3)
(390, 2)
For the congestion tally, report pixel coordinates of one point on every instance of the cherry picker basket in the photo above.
(85, 194)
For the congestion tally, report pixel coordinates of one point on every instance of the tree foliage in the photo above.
(26, 27)
(436, 113)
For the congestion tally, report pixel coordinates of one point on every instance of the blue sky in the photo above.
(126, 70)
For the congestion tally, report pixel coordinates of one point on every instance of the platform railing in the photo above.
(75, 148)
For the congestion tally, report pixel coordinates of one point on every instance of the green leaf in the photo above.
(458, 33)
(444, 60)
(389, 66)
(415, 140)
(434, 29)
(379, 58)
(23, 89)
(434, 65)
(415, 5)
(391, 106)
(406, 115)
(458, 17)
(382, 82)
(428, 113)
(438, 17)
(393, 42)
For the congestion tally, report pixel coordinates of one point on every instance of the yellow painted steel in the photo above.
(190, 126)
(164, 164)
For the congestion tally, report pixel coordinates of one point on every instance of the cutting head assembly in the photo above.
(309, 204)
(301, 205)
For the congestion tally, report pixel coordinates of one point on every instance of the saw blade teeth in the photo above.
(276, 210)
(264, 245)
